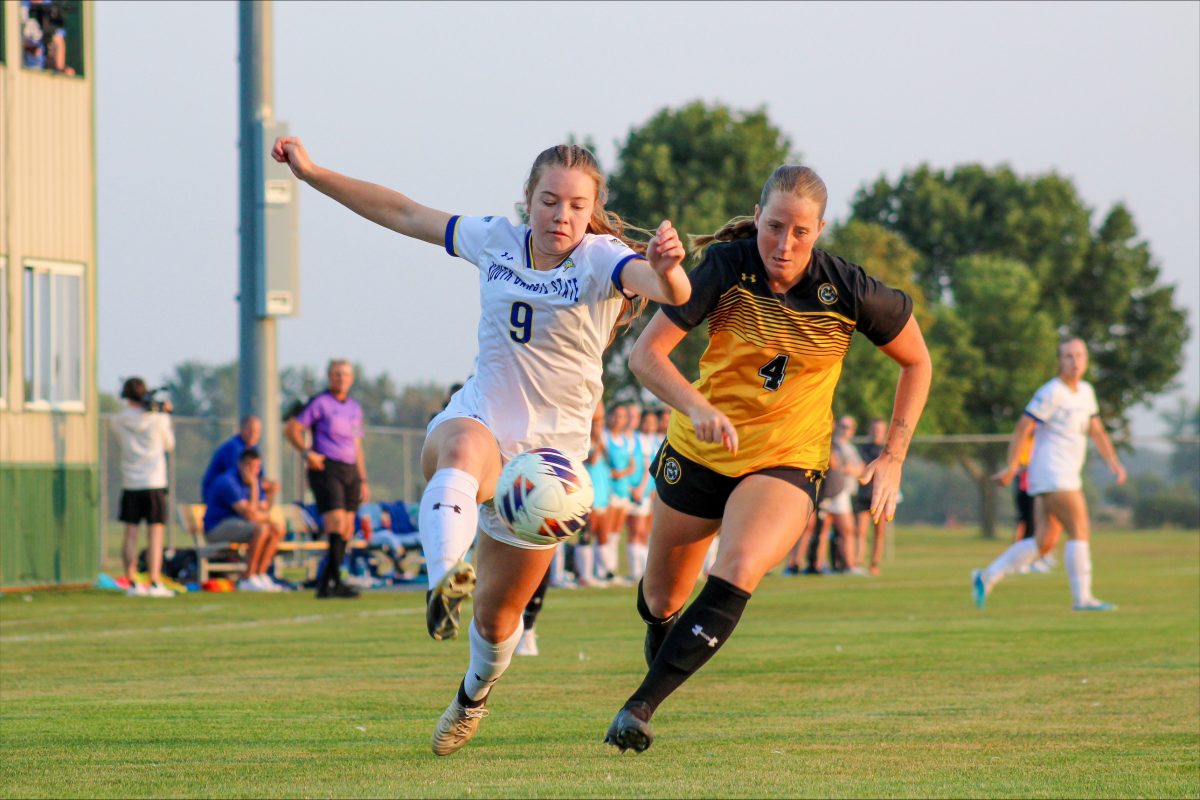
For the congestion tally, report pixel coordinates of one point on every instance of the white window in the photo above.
(54, 335)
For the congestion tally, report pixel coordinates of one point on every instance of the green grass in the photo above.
(832, 686)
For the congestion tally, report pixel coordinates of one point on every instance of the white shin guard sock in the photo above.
(610, 550)
(488, 661)
(1019, 554)
(583, 562)
(448, 517)
(1078, 557)
(631, 556)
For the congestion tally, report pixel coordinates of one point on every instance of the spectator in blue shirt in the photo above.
(226, 456)
(239, 512)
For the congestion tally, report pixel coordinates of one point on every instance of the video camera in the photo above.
(157, 400)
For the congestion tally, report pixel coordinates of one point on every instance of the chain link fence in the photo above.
(944, 478)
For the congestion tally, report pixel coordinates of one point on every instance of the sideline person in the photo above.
(145, 435)
(238, 511)
(551, 294)
(748, 448)
(1064, 413)
(337, 469)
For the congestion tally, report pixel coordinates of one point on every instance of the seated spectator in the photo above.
(226, 456)
(239, 512)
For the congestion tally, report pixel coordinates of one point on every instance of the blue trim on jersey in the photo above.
(450, 234)
(1035, 419)
(616, 273)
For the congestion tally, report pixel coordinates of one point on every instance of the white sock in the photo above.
(583, 562)
(632, 558)
(1078, 558)
(610, 550)
(557, 564)
(1019, 554)
(488, 661)
(448, 517)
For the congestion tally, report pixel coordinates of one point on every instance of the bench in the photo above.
(228, 557)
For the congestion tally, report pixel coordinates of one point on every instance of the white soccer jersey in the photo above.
(542, 335)
(1060, 446)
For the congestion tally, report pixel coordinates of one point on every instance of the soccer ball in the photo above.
(544, 496)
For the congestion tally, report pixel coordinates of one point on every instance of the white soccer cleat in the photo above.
(456, 727)
(527, 645)
(158, 590)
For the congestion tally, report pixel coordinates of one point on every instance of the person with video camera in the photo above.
(144, 431)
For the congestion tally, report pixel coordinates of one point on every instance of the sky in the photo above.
(450, 102)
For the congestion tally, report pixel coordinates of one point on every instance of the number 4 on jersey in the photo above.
(773, 372)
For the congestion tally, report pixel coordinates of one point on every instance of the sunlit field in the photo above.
(832, 686)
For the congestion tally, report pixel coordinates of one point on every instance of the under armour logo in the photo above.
(698, 631)
(479, 678)
(457, 509)
(506, 256)
(749, 278)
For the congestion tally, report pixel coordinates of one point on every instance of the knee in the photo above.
(496, 625)
(663, 601)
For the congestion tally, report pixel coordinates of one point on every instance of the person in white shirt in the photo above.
(1064, 413)
(551, 292)
(145, 436)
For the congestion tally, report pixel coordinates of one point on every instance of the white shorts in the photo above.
(491, 524)
(462, 407)
(643, 508)
(1044, 484)
(838, 504)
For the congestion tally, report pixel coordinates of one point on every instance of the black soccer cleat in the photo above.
(338, 591)
(629, 731)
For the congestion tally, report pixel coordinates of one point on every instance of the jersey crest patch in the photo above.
(672, 471)
(827, 294)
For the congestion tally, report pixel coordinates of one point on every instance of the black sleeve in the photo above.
(882, 311)
(709, 281)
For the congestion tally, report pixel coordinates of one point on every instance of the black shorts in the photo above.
(338, 487)
(861, 503)
(695, 489)
(1024, 502)
(143, 504)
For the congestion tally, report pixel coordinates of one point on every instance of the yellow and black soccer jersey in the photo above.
(773, 361)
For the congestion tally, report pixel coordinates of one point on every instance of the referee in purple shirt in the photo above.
(337, 470)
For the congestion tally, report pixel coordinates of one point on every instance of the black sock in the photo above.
(331, 573)
(699, 633)
(534, 607)
(467, 702)
(657, 628)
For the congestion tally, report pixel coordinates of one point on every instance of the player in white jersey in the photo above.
(550, 295)
(649, 440)
(1064, 413)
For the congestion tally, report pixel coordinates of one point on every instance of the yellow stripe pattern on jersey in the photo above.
(790, 426)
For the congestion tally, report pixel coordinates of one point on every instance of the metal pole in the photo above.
(258, 369)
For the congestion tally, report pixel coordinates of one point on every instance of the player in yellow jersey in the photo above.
(751, 442)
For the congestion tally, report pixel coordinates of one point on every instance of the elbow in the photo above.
(640, 361)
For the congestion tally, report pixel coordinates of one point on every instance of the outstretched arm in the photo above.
(661, 276)
(650, 363)
(916, 371)
(1107, 451)
(381, 205)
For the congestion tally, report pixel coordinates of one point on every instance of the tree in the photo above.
(698, 166)
(1100, 285)
(1008, 262)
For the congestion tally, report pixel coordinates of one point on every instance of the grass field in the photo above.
(832, 686)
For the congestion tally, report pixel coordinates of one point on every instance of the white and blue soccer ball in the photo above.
(544, 496)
